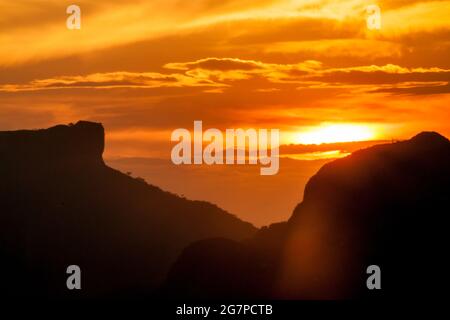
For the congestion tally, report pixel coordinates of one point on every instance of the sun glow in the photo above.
(331, 133)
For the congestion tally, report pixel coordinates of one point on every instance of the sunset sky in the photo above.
(144, 68)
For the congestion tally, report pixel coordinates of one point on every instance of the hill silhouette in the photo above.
(61, 205)
(385, 205)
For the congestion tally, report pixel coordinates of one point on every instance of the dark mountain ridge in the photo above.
(385, 205)
(61, 205)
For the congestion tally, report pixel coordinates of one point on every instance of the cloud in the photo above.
(241, 24)
(221, 73)
(112, 80)
(221, 64)
(387, 74)
(345, 147)
(418, 89)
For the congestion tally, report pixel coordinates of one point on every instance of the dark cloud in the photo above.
(418, 90)
(380, 77)
(223, 64)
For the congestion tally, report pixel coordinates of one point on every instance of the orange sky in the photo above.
(309, 68)
(144, 68)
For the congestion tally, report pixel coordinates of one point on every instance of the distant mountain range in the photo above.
(61, 205)
(239, 189)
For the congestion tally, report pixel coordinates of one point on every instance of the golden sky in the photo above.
(145, 68)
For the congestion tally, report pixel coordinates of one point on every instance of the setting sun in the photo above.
(332, 133)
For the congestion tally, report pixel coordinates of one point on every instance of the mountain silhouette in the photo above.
(61, 205)
(386, 205)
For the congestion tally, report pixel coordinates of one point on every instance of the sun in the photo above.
(331, 133)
